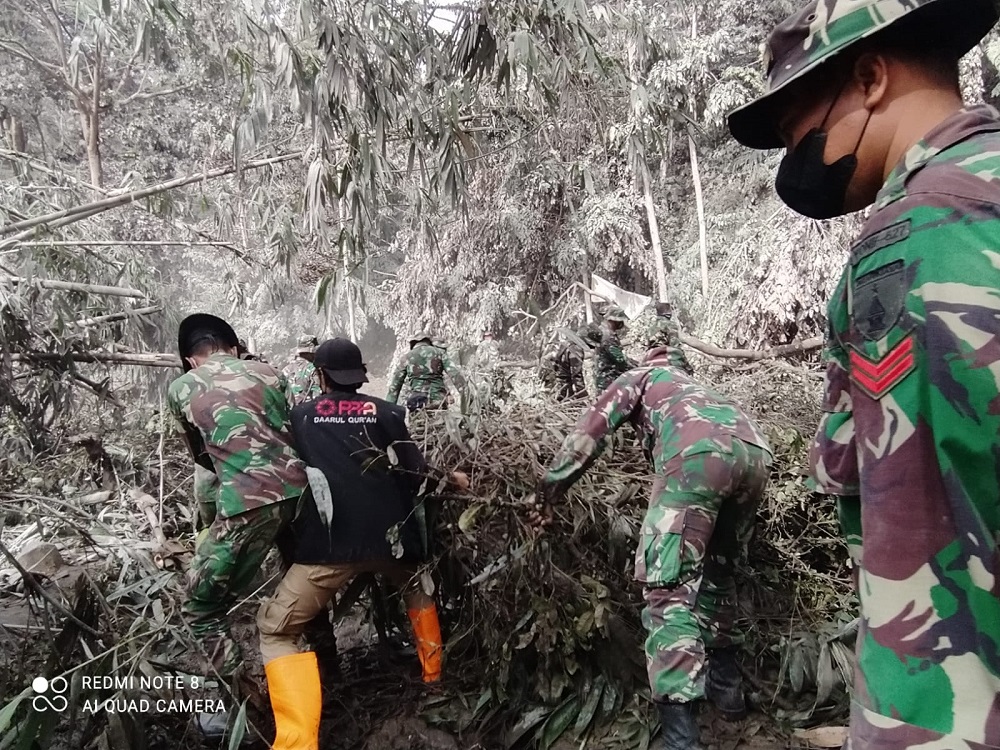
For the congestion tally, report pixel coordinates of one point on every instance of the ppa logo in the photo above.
(50, 694)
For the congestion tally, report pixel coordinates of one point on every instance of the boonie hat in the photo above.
(421, 336)
(616, 314)
(825, 28)
(341, 360)
(192, 326)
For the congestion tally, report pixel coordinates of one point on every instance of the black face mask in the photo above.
(807, 184)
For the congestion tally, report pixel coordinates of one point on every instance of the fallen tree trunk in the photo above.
(784, 350)
(108, 358)
(72, 286)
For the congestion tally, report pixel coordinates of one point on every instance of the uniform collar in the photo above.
(657, 356)
(957, 128)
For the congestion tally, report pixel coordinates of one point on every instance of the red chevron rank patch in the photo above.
(878, 378)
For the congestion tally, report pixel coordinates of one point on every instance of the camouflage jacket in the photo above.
(236, 410)
(911, 423)
(487, 356)
(303, 382)
(423, 370)
(568, 363)
(609, 360)
(672, 413)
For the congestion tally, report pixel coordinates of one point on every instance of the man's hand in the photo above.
(460, 480)
(541, 515)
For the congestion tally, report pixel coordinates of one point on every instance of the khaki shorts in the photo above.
(306, 590)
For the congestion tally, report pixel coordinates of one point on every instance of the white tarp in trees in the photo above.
(630, 302)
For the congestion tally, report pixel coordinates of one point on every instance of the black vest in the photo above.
(374, 470)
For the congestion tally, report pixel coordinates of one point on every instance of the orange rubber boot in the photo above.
(296, 699)
(427, 633)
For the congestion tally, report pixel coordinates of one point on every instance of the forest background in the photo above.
(368, 169)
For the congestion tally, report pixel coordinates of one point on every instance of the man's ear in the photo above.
(871, 76)
(192, 361)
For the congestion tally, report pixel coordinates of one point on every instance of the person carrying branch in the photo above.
(233, 415)
(423, 370)
(712, 464)
(365, 474)
(609, 359)
(865, 97)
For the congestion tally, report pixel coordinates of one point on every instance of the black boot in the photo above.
(679, 730)
(724, 684)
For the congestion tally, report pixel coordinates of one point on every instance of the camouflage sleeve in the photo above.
(616, 355)
(190, 434)
(580, 449)
(285, 384)
(833, 456)
(397, 384)
(454, 372)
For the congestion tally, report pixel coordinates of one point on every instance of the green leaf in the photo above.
(239, 728)
(468, 517)
(8, 711)
(589, 710)
(559, 722)
(528, 721)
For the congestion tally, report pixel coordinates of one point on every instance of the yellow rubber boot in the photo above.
(296, 699)
(427, 633)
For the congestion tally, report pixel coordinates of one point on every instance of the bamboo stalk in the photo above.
(138, 360)
(111, 317)
(105, 204)
(122, 243)
(72, 286)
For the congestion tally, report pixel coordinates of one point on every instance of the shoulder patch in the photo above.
(881, 239)
(877, 378)
(877, 300)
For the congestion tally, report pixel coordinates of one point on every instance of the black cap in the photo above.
(341, 360)
(193, 326)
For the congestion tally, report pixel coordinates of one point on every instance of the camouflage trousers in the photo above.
(699, 523)
(224, 566)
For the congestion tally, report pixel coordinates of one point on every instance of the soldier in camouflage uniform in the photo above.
(568, 367)
(712, 464)
(234, 417)
(303, 381)
(423, 370)
(908, 440)
(664, 326)
(486, 364)
(609, 359)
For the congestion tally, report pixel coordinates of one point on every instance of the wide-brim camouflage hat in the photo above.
(198, 322)
(421, 336)
(825, 28)
(616, 314)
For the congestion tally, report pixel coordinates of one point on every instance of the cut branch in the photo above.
(71, 286)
